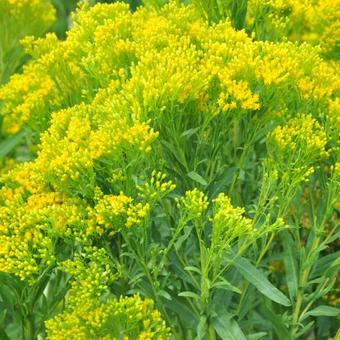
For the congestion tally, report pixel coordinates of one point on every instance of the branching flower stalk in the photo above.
(170, 171)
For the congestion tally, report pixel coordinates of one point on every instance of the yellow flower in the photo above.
(229, 223)
(195, 203)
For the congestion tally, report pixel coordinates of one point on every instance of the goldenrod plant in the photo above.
(181, 178)
(316, 22)
(19, 18)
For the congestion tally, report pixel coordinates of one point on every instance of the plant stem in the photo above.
(302, 284)
(299, 301)
(28, 329)
(212, 333)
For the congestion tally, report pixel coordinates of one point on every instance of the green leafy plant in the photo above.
(181, 178)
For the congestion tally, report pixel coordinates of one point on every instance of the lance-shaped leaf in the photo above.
(259, 280)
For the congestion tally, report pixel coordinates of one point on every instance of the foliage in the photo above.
(169, 174)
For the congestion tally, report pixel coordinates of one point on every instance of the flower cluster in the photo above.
(141, 129)
(301, 142)
(125, 68)
(195, 203)
(156, 188)
(228, 223)
(123, 318)
(19, 18)
(103, 116)
(89, 314)
(311, 21)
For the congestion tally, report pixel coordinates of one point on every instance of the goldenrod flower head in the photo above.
(19, 18)
(312, 21)
(110, 212)
(157, 187)
(121, 86)
(297, 147)
(195, 203)
(136, 214)
(228, 223)
(302, 135)
(134, 317)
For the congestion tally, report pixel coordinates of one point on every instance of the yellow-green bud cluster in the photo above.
(300, 143)
(228, 223)
(123, 318)
(195, 203)
(156, 188)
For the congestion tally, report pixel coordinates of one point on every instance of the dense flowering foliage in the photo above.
(172, 160)
(316, 22)
(18, 19)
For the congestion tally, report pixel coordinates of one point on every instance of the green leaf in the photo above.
(3, 312)
(197, 178)
(8, 296)
(276, 322)
(256, 278)
(228, 329)
(289, 259)
(224, 180)
(177, 153)
(202, 328)
(40, 286)
(323, 264)
(10, 143)
(304, 330)
(190, 132)
(224, 284)
(192, 269)
(256, 336)
(136, 279)
(182, 238)
(324, 311)
(165, 294)
(3, 335)
(185, 313)
(178, 270)
(189, 294)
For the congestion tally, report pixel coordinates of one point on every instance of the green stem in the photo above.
(309, 305)
(298, 304)
(180, 227)
(265, 249)
(140, 258)
(212, 333)
(28, 329)
(302, 284)
(184, 264)
(204, 264)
